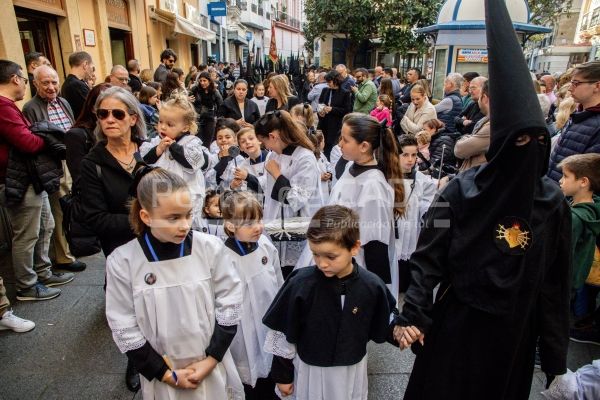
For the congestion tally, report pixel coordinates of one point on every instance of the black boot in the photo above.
(132, 378)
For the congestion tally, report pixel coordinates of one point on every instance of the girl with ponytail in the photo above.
(372, 186)
(292, 186)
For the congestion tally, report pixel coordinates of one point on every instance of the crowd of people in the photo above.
(171, 175)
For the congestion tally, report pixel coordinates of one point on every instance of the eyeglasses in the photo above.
(124, 80)
(574, 84)
(22, 77)
(103, 113)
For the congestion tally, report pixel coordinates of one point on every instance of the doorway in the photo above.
(121, 46)
(195, 54)
(34, 31)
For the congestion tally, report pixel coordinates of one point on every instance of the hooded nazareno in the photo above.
(497, 239)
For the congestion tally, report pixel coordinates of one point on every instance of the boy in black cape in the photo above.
(497, 239)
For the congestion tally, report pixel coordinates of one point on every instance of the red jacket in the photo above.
(14, 132)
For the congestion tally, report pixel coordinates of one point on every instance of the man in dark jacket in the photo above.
(75, 89)
(47, 106)
(412, 76)
(451, 106)
(471, 114)
(31, 219)
(582, 134)
(168, 58)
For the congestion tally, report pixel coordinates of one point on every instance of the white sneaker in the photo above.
(11, 321)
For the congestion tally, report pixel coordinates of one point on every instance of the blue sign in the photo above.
(217, 9)
(248, 36)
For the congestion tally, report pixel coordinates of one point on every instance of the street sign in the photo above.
(248, 36)
(217, 9)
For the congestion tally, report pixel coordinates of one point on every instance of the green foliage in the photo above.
(544, 12)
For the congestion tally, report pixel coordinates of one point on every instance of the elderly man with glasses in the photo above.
(23, 193)
(119, 76)
(471, 114)
(46, 105)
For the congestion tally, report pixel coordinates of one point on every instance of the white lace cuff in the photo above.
(128, 339)
(229, 316)
(277, 344)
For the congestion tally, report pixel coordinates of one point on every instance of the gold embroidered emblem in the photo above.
(355, 310)
(513, 235)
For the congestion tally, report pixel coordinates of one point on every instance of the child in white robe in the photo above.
(221, 175)
(177, 149)
(257, 264)
(365, 187)
(292, 187)
(212, 221)
(324, 316)
(251, 174)
(419, 191)
(173, 301)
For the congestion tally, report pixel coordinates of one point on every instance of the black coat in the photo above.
(104, 199)
(206, 104)
(79, 142)
(42, 170)
(331, 124)
(75, 91)
(231, 109)
(272, 104)
(468, 343)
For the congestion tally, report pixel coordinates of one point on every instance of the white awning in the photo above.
(182, 25)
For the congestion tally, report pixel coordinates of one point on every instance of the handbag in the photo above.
(81, 238)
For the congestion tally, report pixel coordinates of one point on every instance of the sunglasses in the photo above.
(103, 113)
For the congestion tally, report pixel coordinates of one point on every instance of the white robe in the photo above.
(209, 228)
(304, 197)
(311, 382)
(194, 155)
(261, 278)
(177, 313)
(325, 186)
(370, 195)
(226, 177)
(420, 195)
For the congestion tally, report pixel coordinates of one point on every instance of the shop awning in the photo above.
(182, 25)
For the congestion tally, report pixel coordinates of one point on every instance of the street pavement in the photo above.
(71, 355)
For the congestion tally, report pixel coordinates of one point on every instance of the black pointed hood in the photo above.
(514, 106)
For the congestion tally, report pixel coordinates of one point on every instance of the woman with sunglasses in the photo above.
(107, 174)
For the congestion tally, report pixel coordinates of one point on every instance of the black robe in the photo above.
(308, 310)
(481, 333)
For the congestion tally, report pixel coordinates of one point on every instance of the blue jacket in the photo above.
(448, 117)
(580, 136)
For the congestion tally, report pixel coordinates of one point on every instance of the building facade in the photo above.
(588, 28)
(559, 50)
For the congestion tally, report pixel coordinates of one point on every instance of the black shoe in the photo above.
(76, 266)
(132, 378)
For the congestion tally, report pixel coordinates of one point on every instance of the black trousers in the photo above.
(206, 130)
(264, 390)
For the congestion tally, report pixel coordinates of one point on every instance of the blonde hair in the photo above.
(426, 86)
(243, 132)
(158, 182)
(187, 109)
(565, 109)
(418, 89)
(423, 138)
(385, 100)
(281, 84)
(239, 207)
(306, 112)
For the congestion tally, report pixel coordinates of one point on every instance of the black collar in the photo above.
(165, 251)
(289, 150)
(260, 159)
(184, 134)
(355, 169)
(248, 247)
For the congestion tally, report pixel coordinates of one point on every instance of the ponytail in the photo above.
(365, 128)
(290, 132)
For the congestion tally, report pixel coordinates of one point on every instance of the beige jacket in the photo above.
(472, 148)
(413, 120)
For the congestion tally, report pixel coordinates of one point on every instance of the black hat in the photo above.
(514, 106)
